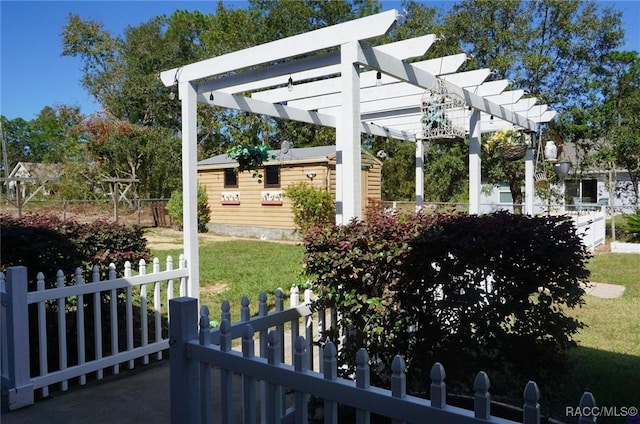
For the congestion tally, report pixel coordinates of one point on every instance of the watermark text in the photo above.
(601, 411)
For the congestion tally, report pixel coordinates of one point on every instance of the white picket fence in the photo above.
(591, 227)
(67, 302)
(309, 370)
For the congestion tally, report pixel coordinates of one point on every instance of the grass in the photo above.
(232, 269)
(607, 361)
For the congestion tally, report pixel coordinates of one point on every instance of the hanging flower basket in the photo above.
(540, 176)
(249, 157)
(510, 144)
(541, 182)
(512, 152)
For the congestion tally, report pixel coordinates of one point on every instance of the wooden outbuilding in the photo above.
(252, 203)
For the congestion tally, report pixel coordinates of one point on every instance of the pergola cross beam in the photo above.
(323, 38)
(416, 76)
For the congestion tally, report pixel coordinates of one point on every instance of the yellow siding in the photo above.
(251, 211)
(374, 181)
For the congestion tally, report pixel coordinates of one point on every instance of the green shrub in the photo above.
(472, 292)
(174, 208)
(311, 205)
(44, 243)
(632, 226)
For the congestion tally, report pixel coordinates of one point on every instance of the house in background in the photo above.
(27, 179)
(252, 203)
(583, 188)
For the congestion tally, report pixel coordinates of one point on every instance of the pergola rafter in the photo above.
(332, 77)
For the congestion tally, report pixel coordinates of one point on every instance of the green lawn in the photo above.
(607, 361)
(232, 269)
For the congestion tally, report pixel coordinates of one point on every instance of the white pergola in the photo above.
(331, 77)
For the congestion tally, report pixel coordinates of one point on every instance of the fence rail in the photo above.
(145, 212)
(263, 379)
(82, 311)
(591, 227)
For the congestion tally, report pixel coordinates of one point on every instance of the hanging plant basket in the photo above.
(249, 157)
(541, 182)
(540, 176)
(512, 152)
(562, 167)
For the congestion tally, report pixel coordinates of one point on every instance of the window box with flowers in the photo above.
(230, 198)
(271, 198)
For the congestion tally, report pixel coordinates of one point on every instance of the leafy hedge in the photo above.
(472, 292)
(44, 243)
(175, 204)
(633, 226)
(311, 205)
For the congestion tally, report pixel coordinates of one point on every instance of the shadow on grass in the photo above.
(612, 378)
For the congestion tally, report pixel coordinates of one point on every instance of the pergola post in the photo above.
(188, 97)
(419, 174)
(475, 178)
(528, 181)
(348, 151)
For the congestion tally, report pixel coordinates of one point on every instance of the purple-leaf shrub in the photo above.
(472, 292)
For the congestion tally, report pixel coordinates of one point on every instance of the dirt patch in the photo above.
(213, 289)
(167, 238)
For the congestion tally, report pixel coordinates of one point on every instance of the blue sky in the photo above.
(34, 74)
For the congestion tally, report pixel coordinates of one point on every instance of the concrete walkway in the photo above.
(603, 290)
(142, 395)
(138, 396)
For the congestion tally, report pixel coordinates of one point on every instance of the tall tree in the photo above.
(547, 47)
(621, 88)
(50, 137)
(15, 136)
(129, 151)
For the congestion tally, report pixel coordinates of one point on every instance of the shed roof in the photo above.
(291, 156)
(37, 170)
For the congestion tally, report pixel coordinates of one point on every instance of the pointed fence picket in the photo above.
(68, 305)
(194, 352)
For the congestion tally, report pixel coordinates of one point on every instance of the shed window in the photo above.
(230, 178)
(272, 176)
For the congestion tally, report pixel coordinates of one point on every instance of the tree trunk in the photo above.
(516, 194)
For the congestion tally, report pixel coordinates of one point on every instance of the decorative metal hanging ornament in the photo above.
(439, 108)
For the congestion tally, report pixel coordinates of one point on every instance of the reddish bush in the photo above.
(472, 292)
(44, 243)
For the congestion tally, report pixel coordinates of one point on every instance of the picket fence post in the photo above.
(42, 334)
(363, 381)
(205, 369)
(330, 366)
(183, 374)
(274, 391)
(301, 364)
(21, 390)
(248, 383)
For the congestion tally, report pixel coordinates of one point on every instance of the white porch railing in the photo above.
(67, 303)
(195, 351)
